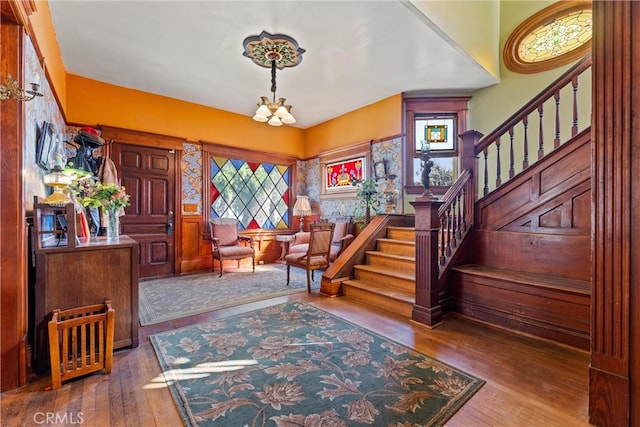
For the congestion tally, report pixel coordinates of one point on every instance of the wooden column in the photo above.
(615, 344)
(427, 309)
(13, 251)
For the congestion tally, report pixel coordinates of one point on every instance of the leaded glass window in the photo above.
(256, 194)
(555, 36)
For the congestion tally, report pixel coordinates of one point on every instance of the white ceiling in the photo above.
(357, 52)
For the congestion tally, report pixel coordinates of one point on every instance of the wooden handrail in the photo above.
(454, 190)
(532, 105)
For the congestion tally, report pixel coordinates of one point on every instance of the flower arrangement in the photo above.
(96, 194)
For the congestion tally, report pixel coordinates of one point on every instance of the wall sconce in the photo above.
(11, 89)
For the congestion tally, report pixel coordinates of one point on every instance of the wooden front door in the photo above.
(148, 175)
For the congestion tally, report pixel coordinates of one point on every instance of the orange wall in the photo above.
(374, 121)
(45, 38)
(91, 102)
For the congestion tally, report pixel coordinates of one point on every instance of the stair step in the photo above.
(384, 296)
(382, 275)
(402, 233)
(402, 263)
(575, 286)
(396, 247)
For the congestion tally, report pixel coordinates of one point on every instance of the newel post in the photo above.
(468, 159)
(427, 309)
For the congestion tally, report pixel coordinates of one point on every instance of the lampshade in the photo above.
(302, 206)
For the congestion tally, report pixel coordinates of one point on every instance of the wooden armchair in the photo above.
(227, 244)
(342, 237)
(317, 254)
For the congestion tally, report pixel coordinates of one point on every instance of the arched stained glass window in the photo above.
(257, 194)
(557, 35)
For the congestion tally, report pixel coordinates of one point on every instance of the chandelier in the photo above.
(274, 51)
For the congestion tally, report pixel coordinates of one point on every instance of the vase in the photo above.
(113, 225)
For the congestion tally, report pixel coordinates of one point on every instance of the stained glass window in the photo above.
(557, 35)
(257, 194)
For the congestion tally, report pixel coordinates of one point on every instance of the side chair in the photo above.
(317, 255)
(342, 237)
(227, 244)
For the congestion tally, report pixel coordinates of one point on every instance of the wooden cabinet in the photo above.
(89, 273)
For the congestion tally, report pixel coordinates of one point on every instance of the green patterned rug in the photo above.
(293, 364)
(182, 296)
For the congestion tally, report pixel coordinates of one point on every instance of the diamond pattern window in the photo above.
(257, 194)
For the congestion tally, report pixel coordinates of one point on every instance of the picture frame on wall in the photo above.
(44, 145)
(338, 174)
(380, 169)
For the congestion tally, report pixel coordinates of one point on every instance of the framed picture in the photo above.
(338, 175)
(380, 169)
(44, 145)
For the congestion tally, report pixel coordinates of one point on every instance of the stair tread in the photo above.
(385, 271)
(383, 289)
(393, 256)
(398, 241)
(536, 279)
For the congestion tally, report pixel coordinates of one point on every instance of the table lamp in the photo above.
(302, 208)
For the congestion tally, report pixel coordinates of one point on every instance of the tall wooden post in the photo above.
(614, 373)
(427, 309)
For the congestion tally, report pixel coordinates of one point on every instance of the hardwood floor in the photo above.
(528, 382)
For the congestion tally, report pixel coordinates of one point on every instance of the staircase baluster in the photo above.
(463, 196)
(574, 127)
(486, 171)
(525, 161)
(460, 218)
(540, 132)
(498, 171)
(449, 232)
(556, 139)
(512, 169)
(442, 237)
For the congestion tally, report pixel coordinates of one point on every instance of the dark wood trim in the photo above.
(449, 105)
(614, 396)
(146, 139)
(244, 154)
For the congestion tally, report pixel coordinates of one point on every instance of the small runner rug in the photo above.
(182, 296)
(293, 364)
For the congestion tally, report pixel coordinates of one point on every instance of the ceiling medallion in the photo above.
(265, 48)
(273, 51)
(555, 36)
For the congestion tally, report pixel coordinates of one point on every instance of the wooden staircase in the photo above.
(518, 257)
(387, 278)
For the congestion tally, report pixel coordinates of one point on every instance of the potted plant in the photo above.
(368, 196)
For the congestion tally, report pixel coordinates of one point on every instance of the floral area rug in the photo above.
(293, 364)
(182, 296)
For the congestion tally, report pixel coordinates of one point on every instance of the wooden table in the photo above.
(285, 240)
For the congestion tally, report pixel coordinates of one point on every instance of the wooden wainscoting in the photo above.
(196, 245)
